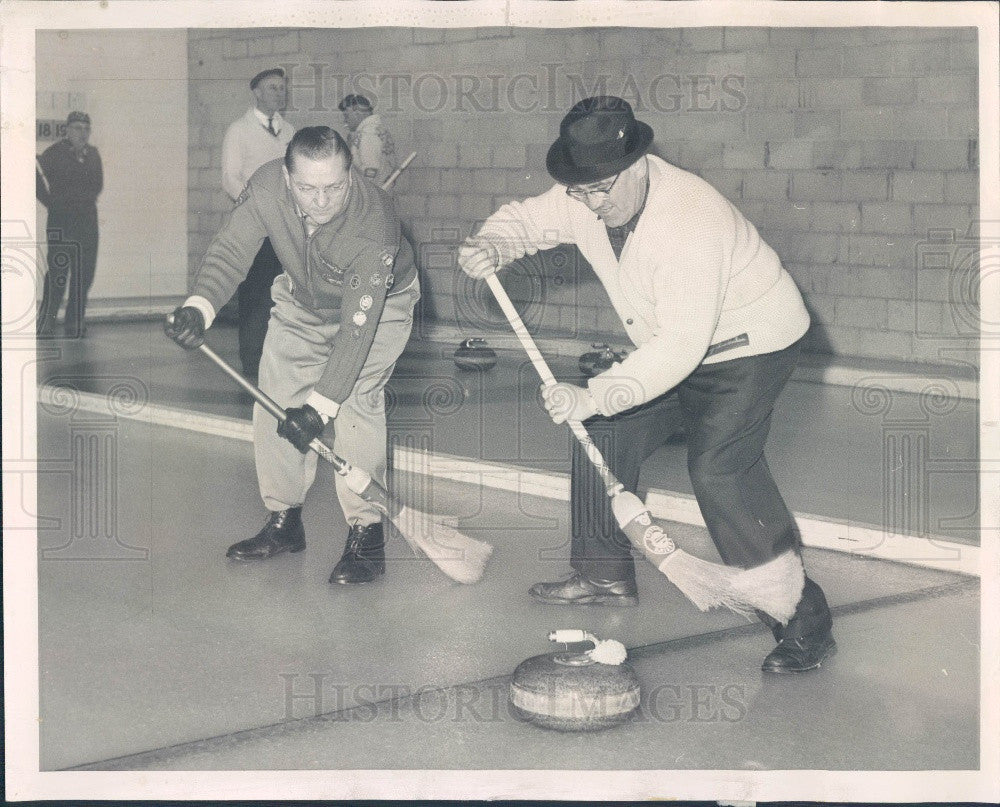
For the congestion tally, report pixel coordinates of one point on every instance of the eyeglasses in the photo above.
(328, 192)
(584, 194)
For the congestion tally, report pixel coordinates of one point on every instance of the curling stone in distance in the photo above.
(576, 691)
(475, 354)
(599, 359)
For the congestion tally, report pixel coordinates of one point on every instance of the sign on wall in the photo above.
(49, 129)
(52, 109)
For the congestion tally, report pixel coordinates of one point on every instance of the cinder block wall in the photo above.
(853, 150)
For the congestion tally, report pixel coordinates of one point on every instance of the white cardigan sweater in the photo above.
(695, 274)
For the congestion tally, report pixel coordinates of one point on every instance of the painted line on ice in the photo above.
(389, 709)
(864, 541)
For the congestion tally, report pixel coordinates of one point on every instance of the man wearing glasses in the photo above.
(715, 319)
(343, 309)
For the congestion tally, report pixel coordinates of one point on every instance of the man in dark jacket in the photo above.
(343, 310)
(68, 180)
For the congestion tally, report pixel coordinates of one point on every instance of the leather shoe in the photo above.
(283, 532)
(580, 590)
(364, 556)
(800, 653)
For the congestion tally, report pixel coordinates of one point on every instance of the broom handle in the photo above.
(261, 397)
(389, 180)
(541, 366)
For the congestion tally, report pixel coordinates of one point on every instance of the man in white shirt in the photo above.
(715, 319)
(258, 137)
(372, 148)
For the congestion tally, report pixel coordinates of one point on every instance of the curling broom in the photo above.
(457, 555)
(707, 585)
(391, 179)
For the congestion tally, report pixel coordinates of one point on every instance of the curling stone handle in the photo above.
(571, 636)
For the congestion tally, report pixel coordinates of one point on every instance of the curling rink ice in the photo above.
(157, 653)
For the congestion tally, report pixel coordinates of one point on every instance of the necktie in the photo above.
(270, 126)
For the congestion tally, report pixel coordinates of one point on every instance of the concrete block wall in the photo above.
(854, 151)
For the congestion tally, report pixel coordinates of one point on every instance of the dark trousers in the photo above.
(72, 261)
(726, 409)
(254, 297)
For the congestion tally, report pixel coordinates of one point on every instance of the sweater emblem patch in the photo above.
(389, 280)
(387, 258)
(359, 318)
(376, 279)
(355, 281)
(330, 272)
(366, 302)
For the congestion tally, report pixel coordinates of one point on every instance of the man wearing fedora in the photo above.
(259, 136)
(717, 323)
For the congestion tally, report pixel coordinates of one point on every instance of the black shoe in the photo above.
(364, 556)
(580, 590)
(283, 532)
(776, 627)
(801, 653)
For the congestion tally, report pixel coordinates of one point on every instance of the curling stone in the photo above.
(576, 691)
(599, 359)
(474, 354)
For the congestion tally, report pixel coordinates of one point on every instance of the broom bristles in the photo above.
(460, 557)
(774, 587)
(457, 555)
(707, 585)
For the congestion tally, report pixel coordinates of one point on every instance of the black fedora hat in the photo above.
(598, 138)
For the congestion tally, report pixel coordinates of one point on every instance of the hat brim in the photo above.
(562, 169)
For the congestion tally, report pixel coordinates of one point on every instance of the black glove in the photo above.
(186, 326)
(302, 425)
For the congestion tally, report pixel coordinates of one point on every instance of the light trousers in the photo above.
(296, 351)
